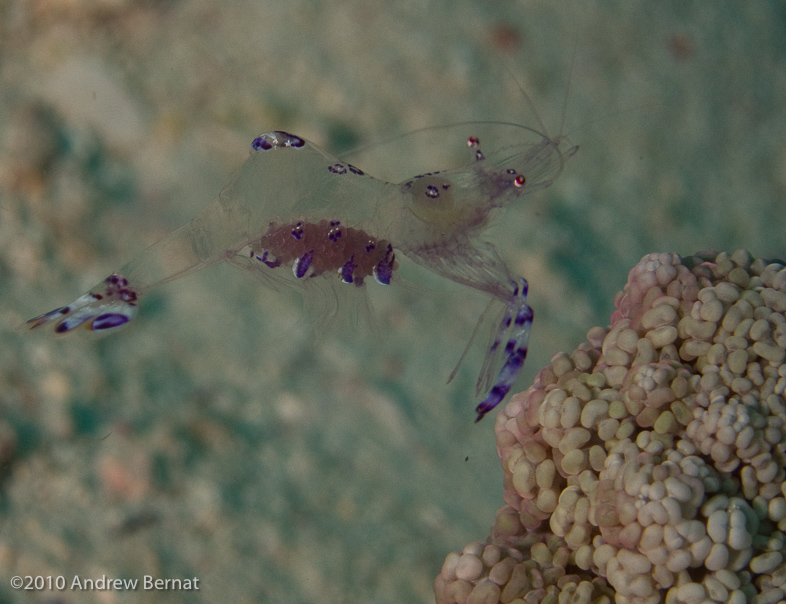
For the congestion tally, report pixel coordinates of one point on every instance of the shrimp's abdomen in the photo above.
(326, 247)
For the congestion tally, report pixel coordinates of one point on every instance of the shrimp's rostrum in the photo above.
(293, 205)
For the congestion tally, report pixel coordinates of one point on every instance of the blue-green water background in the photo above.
(215, 437)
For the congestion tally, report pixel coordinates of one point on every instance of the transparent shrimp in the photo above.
(292, 205)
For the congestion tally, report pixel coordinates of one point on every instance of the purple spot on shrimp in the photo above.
(127, 295)
(479, 155)
(371, 246)
(70, 323)
(335, 234)
(337, 169)
(383, 271)
(261, 143)
(432, 191)
(347, 270)
(263, 258)
(300, 267)
(355, 170)
(493, 399)
(292, 140)
(297, 231)
(108, 321)
(525, 316)
(504, 383)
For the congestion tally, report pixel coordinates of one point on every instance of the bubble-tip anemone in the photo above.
(648, 465)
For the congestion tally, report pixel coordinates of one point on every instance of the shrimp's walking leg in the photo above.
(518, 319)
(479, 266)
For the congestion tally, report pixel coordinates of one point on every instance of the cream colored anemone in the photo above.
(648, 465)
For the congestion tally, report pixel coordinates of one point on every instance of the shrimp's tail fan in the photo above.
(109, 305)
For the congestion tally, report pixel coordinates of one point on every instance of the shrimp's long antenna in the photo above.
(564, 116)
(529, 102)
(533, 107)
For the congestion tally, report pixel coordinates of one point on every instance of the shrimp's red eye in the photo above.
(472, 142)
(519, 181)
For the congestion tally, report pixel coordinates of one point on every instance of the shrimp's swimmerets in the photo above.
(293, 205)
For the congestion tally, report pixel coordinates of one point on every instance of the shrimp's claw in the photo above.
(517, 321)
(109, 305)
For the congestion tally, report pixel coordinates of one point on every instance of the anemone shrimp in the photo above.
(291, 204)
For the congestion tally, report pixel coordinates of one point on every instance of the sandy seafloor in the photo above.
(216, 437)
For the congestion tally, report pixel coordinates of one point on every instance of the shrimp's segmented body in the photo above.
(316, 249)
(293, 205)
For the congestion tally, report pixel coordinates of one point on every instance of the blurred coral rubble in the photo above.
(648, 464)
